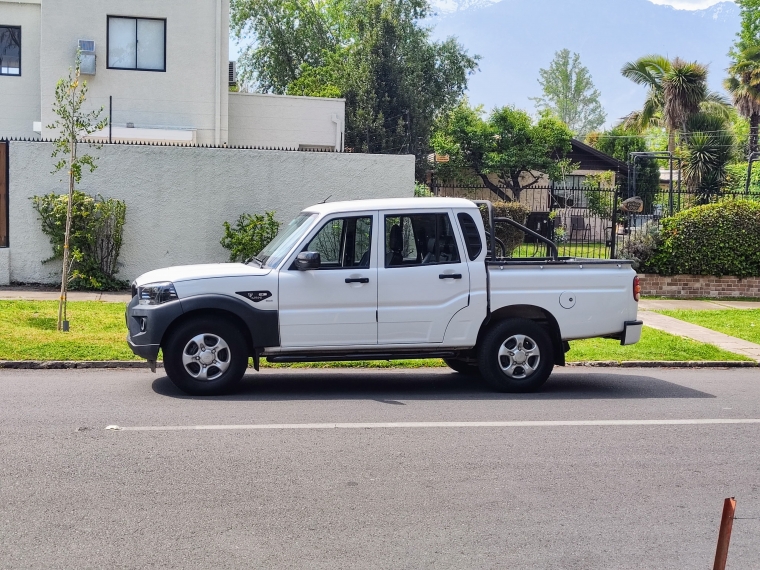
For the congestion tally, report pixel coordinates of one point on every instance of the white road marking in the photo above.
(414, 425)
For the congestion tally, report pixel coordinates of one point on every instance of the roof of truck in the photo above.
(391, 204)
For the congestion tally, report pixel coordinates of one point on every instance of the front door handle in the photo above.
(359, 280)
(450, 276)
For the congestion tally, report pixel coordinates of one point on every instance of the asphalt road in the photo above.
(75, 495)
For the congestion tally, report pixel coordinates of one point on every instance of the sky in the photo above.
(688, 4)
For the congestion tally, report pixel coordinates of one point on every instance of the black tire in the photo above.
(516, 355)
(205, 356)
(462, 367)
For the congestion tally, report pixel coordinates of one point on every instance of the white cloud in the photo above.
(688, 4)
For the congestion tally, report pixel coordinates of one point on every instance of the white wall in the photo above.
(20, 96)
(285, 121)
(191, 94)
(177, 198)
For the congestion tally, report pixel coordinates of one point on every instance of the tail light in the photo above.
(636, 289)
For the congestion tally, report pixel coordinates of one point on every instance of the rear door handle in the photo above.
(359, 280)
(450, 276)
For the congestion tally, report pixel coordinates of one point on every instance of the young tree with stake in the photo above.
(72, 125)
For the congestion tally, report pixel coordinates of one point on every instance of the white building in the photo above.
(160, 70)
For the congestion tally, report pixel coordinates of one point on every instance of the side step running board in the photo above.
(288, 358)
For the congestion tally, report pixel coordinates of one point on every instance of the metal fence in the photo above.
(586, 220)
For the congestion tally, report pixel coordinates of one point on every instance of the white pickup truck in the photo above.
(382, 280)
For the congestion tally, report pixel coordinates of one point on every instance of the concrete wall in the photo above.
(191, 94)
(285, 121)
(178, 198)
(20, 95)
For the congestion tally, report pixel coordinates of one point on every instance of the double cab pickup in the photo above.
(382, 280)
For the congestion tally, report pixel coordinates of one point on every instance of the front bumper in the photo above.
(631, 332)
(147, 325)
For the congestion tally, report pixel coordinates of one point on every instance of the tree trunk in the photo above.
(62, 316)
(671, 141)
(754, 122)
(494, 188)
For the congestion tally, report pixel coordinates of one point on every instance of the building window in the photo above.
(10, 50)
(136, 43)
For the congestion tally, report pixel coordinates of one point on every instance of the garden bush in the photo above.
(721, 238)
(512, 237)
(251, 234)
(97, 229)
(641, 247)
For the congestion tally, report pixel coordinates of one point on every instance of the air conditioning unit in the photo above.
(87, 55)
(233, 73)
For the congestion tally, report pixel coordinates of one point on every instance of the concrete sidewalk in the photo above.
(29, 294)
(689, 305)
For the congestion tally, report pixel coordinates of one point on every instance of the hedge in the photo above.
(512, 237)
(722, 238)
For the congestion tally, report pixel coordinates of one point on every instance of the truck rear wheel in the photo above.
(462, 367)
(516, 355)
(205, 357)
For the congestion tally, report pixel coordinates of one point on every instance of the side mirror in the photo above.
(308, 260)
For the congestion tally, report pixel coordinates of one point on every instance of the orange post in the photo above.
(724, 535)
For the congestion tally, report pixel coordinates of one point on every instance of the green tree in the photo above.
(677, 91)
(569, 93)
(619, 143)
(72, 125)
(507, 145)
(374, 53)
(743, 83)
(709, 148)
(749, 33)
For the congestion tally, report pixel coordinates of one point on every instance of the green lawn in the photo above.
(593, 250)
(27, 332)
(741, 323)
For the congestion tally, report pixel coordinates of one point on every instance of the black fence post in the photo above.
(613, 231)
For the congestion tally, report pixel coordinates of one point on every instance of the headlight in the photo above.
(156, 293)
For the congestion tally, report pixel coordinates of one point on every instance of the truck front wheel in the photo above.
(205, 357)
(516, 355)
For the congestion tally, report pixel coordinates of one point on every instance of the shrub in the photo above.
(250, 235)
(422, 191)
(97, 229)
(512, 237)
(715, 239)
(641, 246)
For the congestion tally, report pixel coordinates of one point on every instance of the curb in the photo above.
(130, 364)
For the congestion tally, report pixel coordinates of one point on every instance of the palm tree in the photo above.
(708, 148)
(677, 91)
(744, 85)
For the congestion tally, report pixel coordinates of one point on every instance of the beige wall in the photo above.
(285, 121)
(178, 198)
(20, 96)
(191, 94)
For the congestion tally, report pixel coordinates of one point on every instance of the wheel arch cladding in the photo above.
(260, 328)
(532, 313)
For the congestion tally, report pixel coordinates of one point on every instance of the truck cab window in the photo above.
(471, 235)
(343, 242)
(419, 239)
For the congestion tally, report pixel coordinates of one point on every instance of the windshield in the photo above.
(281, 245)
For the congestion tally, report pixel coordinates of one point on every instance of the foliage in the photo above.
(641, 246)
(749, 34)
(677, 90)
(72, 124)
(422, 191)
(250, 235)
(736, 178)
(599, 198)
(620, 143)
(569, 94)
(507, 145)
(374, 53)
(510, 236)
(709, 148)
(714, 239)
(743, 83)
(97, 229)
